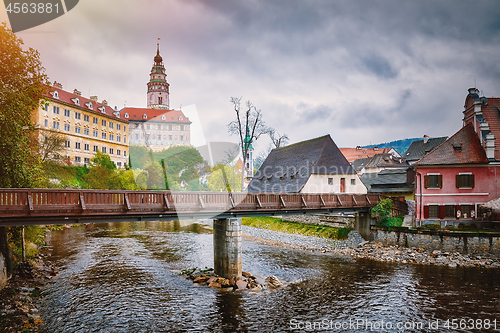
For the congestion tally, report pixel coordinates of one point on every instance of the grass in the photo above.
(276, 224)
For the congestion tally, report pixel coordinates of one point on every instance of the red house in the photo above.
(464, 171)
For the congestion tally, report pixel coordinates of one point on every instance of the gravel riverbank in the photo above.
(18, 300)
(356, 247)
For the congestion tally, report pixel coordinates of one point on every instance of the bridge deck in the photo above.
(46, 206)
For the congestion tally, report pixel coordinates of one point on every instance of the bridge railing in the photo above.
(58, 202)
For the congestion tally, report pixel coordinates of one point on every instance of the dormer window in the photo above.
(55, 94)
(163, 117)
(457, 147)
(102, 109)
(180, 118)
(76, 100)
(126, 115)
(145, 116)
(89, 105)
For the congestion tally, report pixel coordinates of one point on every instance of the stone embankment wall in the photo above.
(477, 243)
(329, 220)
(5, 263)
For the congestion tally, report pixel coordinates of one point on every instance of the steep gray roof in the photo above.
(386, 160)
(360, 163)
(395, 180)
(287, 169)
(419, 149)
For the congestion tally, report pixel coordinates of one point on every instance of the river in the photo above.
(124, 277)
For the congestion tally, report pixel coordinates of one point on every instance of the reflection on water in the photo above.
(123, 277)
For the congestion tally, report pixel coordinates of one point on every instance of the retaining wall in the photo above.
(477, 243)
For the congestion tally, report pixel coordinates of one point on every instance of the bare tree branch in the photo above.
(249, 129)
(51, 145)
(277, 139)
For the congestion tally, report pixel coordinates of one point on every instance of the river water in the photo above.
(124, 277)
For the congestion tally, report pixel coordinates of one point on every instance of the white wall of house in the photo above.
(331, 184)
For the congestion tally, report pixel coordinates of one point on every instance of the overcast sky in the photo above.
(362, 71)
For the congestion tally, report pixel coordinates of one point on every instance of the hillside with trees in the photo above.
(401, 146)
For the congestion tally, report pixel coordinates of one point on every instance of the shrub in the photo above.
(396, 221)
(383, 209)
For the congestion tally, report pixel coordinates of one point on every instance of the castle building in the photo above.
(86, 125)
(157, 127)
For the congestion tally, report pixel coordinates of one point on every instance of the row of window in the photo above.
(86, 131)
(95, 120)
(159, 137)
(86, 160)
(449, 211)
(159, 127)
(463, 180)
(86, 147)
(158, 143)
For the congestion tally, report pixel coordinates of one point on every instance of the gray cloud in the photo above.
(365, 71)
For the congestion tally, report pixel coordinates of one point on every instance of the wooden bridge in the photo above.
(55, 206)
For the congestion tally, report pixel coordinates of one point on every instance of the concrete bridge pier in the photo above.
(227, 247)
(363, 221)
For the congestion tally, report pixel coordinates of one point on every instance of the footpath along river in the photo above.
(124, 277)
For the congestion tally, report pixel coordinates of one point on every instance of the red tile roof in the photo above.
(171, 116)
(463, 147)
(352, 154)
(83, 103)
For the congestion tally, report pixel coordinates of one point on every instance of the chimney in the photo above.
(93, 98)
(77, 92)
(426, 138)
(358, 147)
(104, 102)
(490, 146)
(57, 85)
(375, 148)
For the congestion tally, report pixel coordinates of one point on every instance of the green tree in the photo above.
(384, 209)
(127, 180)
(183, 167)
(102, 174)
(224, 178)
(22, 80)
(51, 145)
(156, 180)
(141, 178)
(101, 159)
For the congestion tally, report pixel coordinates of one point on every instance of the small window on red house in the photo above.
(449, 211)
(464, 180)
(433, 211)
(433, 181)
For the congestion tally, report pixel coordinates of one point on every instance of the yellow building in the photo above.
(89, 126)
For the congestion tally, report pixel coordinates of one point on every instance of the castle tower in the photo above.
(248, 168)
(158, 87)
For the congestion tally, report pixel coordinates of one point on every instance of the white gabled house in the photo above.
(312, 166)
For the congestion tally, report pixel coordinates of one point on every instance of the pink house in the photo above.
(464, 171)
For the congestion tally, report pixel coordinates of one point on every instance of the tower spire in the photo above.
(158, 87)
